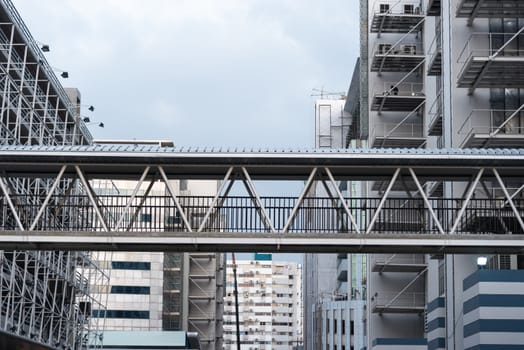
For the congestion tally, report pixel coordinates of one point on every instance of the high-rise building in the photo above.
(443, 74)
(269, 304)
(45, 296)
(155, 291)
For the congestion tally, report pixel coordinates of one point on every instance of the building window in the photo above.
(130, 265)
(136, 314)
(441, 278)
(130, 290)
(145, 217)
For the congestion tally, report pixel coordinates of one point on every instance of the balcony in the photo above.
(492, 128)
(491, 60)
(399, 58)
(396, 17)
(472, 9)
(399, 263)
(433, 8)
(403, 97)
(406, 135)
(393, 303)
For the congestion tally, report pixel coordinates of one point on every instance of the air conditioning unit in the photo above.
(409, 9)
(384, 8)
(408, 49)
(383, 48)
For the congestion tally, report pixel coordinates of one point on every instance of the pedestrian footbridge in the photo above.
(418, 201)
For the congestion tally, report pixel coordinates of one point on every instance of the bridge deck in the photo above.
(263, 242)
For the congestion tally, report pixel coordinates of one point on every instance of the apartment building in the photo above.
(270, 304)
(443, 74)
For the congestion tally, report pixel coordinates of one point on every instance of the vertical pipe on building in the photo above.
(447, 123)
(235, 293)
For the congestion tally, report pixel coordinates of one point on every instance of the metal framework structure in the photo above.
(478, 220)
(45, 296)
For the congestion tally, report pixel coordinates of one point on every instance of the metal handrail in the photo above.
(239, 214)
(473, 123)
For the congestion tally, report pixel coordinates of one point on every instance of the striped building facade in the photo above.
(436, 324)
(494, 310)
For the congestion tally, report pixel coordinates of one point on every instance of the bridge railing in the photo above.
(240, 214)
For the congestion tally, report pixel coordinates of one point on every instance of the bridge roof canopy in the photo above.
(128, 161)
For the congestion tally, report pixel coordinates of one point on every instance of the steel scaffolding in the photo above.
(45, 296)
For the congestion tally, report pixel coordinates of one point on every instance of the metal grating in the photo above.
(395, 22)
(395, 62)
(496, 72)
(396, 103)
(490, 8)
(434, 8)
(480, 140)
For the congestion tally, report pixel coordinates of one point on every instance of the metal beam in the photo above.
(263, 242)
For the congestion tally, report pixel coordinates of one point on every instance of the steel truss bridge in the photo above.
(409, 210)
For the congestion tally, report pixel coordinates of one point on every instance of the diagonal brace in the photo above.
(215, 200)
(89, 191)
(426, 200)
(297, 205)
(175, 198)
(342, 199)
(466, 201)
(508, 197)
(254, 196)
(11, 205)
(48, 197)
(382, 201)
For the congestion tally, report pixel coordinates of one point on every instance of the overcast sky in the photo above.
(200, 72)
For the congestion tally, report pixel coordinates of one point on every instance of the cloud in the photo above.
(229, 72)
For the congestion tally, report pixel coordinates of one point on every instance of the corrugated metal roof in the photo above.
(239, 150)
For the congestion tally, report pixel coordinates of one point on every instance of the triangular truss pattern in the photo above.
(327, 209)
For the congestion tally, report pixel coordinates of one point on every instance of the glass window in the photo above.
(130, 290)
(130, 265)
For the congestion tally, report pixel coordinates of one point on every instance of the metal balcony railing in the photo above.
(415, 259)
(391, 302)
(472, 9)
(491, 127)
(399, 135)
(490, 60)
(239, 214)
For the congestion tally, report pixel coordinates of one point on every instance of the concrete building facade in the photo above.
(442, 74)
